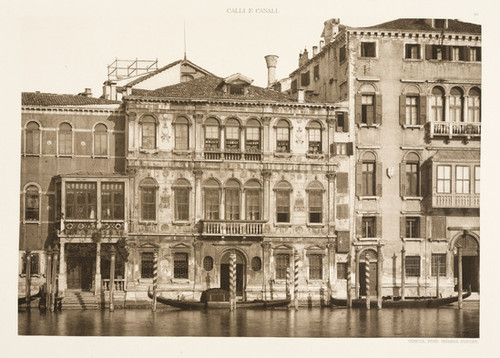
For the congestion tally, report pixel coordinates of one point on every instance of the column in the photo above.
(243, 204)
(62, 269)
(330, 204)
(266, 145)
(197, 194)
(465, 109)
(97, 279)
(198, 136)
(266, 174)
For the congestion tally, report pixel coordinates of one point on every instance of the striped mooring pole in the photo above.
(112, 280)
(28, 279)
(232, 280)
(296, 280)
(287, 287)
(349, 297)
(367, 277)
(460, 282)
(155, 279)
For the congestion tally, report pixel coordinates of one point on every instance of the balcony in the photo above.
(455, 201)
(455, 129)
(212, 155)
(119, 284)
(106, 228)
(232, 230)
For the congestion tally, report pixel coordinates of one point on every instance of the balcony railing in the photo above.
(212, 155)
(454, 129)
(232, 155)
(233, 228)
(455, 200)
(119, 284)
(90, 227)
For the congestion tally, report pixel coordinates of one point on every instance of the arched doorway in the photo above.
(470, 262)
(372, 257)
(240, 272)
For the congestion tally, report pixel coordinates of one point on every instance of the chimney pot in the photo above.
(271, 62)
(300, 95)
(315, 50)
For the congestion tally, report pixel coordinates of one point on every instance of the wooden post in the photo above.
(155, 280)
(232, 280)
(207, 280)
(28, 279)
(460, 288)
(296, 280)
(437, 280)
(287, 283)
(349, 297)
(367, 280)
(55, 255)
(112, 279)
(403, 273)
(379, 276)
(357, 260)
(48, 296)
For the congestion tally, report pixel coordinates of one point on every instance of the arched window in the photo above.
(456, 98)
(232, 200)
(283, 136)
(148, 125)
(181, 127)
(32, 204)
(252, 136)
(474, 105)
(315, 202)
(65, 139)
(100, 140)
(181, 190)
(368, 174)
(283, 190)
(437, 104)
(148, 199)
(232, 135)
(33, 138)
(253, 201)
(211, 189)
(212, 135)
(314, 137)
(410, 178)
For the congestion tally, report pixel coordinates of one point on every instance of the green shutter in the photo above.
(402, 179)
(378, 109)
(357, 105)
(378, 179)
(359, 178)
(422, 110)
(402, 109)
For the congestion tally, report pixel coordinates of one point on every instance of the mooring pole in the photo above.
(379, 275)
(287, 283)
(112, 279)
(437, 280)
(155, 280)
(48, 297)
(349, 297)
(367, 280)
(403, 273)
(296, 280)
(28, 279)
(460, 288)
(232, 280)
(55, 255)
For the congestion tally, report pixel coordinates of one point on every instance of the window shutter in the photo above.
(378, 226)
(378, 109)
(346, 122)
(402, 179)
(422, 227)
(402, 226)
(447, 53)
(378, 179)
(438, 227)
(428, 52)
(333, 149)
(402, 109)
(359, 226)
(350, 148)
(424, 179)
(342, 182)
(422, 102)
(478, 53)
(466, 53)
(419, 179)
(357, 105)
(343, 242)
(359, 178)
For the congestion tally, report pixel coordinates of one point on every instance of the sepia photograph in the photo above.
(248, 169)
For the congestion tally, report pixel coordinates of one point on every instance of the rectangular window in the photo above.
(412, 227)
(368, 226)
(182, 204)
(436, 52)
(412, 266)
(112, 201)
(147, 259)
(367, 109)
(315, 267)
(34, 266)
(211, 138)
(315, 206)
(81, 200)
(477, 179)
(443, 179)
(412, 179)
(462, 182)
(314, 135)
(101, 143)
(341, 148)
(282, 263)
(340, 125)
(341, 270)
(181, 136)
(148, 135)
(212, 204)
(368, 177)
(475, 54)
(32, 204)
(148, 203)
(293, 86)
(180, 265)
(253, 204)
(304, 79)
(252, 143)
(412, 110)
(232, 139)
(316, 72)
(282, 140)
(33, 141)
(438, 264)
(65, 142)
(342, 54)
(283, 206)
(232, 204)
(412, 51)
(368, 49)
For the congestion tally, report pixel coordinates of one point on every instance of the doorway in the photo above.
(470, 264)
(373, 272)
(80, 266)
(240, 272)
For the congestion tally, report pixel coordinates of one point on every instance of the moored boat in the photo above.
(22, 300)
(397, 302)
(217, 298)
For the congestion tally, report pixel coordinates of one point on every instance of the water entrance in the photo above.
(240, 273)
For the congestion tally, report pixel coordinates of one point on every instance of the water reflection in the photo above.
(306, 322)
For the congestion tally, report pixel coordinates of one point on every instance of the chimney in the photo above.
(300, 95)
(88, 92)
(304, 57)
(330, 29)
(321, 44)
(315, 50)
(109, 90)
(271, 62)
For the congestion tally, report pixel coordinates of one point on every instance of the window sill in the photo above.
(64, 155)
(317, 225)
(368, 239)
(413, 126)
(364, 125)
(282, 155)
(180, 280)
(148, 222)
(181, 152)
(413, 59)
(419, 198)
(368, 57)
(282, 224)
(315, 156)
(148, 151)
(31, 222)
(417, 239)
(32, 155)
(366, 197)
(37, 275)
(181, 223)
(100, 156)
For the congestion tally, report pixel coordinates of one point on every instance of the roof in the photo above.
(52, 99)
(456, 155)
(170, 65)
(454, 26)
(210, 87)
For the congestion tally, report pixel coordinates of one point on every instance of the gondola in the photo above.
(217, 298)
(397, 302)
(22, 300)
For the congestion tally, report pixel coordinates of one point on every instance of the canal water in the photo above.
(443, 322)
